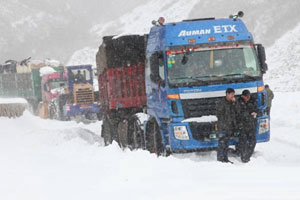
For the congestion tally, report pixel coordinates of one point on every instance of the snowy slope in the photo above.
(137, 21)
(283, 59)
(48, 159)
(259, 18)
(52, 28)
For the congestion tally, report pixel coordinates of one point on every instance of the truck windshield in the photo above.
(79, 75)
(212, 65)
(57, 84)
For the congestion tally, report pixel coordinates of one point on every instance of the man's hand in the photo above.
(254, 114)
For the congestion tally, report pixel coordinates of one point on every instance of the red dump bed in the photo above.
(121, 69)
(122, 87)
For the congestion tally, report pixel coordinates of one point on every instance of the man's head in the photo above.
(246, 95)
(266, 86)
(230, 94)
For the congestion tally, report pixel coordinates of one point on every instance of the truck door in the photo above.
(157, 95)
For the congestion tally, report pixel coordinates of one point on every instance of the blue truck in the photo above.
(188, 66)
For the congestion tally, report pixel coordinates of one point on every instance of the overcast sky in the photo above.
(56, 29)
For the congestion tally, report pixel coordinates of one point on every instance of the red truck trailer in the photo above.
(121, 68)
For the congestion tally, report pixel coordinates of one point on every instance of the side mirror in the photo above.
(155, 77)
(155, 63)
(262, 57)
(46, 89)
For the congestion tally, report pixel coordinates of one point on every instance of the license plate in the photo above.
(212, 136)
(84, 106)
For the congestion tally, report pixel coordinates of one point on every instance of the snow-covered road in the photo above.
(52, 160)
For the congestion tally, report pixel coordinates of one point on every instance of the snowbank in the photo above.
(12, 100)
(209, 118)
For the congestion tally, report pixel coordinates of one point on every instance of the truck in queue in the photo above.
(70, 94)
(175, 75)
(22, 80)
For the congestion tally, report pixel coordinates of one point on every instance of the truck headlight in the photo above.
(181, 133)
(263, 126)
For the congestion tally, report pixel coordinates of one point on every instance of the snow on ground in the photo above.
(12, 100)
(48, 159)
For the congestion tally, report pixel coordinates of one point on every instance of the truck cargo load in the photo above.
(121, 65)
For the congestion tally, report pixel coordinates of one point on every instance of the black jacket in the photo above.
(226, 114)
(244, 110)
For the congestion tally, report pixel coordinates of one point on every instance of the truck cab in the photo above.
(53, 85)
(189, 65)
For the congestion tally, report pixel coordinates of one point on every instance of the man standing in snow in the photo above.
(226, 114)
(246, 118)
(270, 96)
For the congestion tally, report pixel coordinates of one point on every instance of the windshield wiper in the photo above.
(245, 75)
(207, 76)
(189, 77)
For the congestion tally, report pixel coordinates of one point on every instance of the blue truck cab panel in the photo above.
(189, 65)
(80, 84)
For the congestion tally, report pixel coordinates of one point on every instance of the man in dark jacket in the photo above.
(246, 118)
(270, 96)
(226, 114)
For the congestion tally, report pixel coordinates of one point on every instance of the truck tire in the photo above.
(153, 138)
(135, 133)
(109, 130)
(105, 131)
(53, 110)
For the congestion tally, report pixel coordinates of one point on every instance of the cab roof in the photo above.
(200, 31)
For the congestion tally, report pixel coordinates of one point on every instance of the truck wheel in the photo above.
(135, 133)
(153, 138)
(53, 111)
(105, 132)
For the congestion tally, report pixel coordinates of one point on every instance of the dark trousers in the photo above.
(222, 150)
(247, 143)
(268, 109)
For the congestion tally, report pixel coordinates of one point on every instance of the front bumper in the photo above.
(207, 142)
(72, 110)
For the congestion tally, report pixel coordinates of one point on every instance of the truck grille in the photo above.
(84, 96)
(199, 107)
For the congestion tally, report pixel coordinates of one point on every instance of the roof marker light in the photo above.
(230, 37)
(211, 39)
(192, 41)
(161, 21)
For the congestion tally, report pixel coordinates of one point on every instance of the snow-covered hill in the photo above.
(284, 62)
(56, 29)
(266, 26)
(52, 28)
